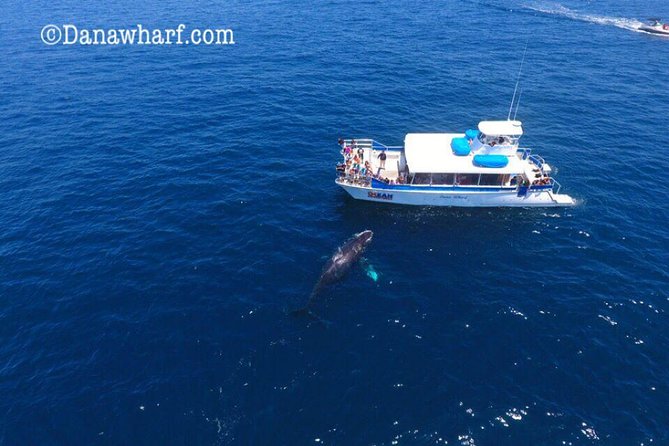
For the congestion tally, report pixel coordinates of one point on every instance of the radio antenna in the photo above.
(515, 90)
(520, 94)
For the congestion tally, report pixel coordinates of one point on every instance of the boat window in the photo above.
(491, 179)
(515, 180)
(467, 179)
(421, 178)
(443, 178)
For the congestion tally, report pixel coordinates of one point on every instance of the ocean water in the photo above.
(164, 208)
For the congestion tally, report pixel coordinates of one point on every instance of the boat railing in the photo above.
(371, 144)
(526, 154)
(357, 179)
(360, 143)
(552, 185)
(537, 161)
(556, 186)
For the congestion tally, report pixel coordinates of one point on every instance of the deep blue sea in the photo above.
(163, 208)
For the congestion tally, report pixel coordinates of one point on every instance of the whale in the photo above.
(338, 266)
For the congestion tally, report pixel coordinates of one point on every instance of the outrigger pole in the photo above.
(515, 90)
(520, 94)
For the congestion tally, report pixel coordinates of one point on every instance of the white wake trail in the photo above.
(563, 11)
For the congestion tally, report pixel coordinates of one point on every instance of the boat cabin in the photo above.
(435, 159)
(498, 137)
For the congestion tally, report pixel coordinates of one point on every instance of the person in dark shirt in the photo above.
(382, 156)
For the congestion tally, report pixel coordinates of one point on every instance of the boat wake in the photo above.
(562, 11)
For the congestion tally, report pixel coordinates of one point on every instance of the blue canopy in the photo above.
(494, 161)
(460, 146)
(472, 134)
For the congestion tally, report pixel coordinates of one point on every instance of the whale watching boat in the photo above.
(655, 26)
(479, 168)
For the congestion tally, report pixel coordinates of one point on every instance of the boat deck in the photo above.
(392, 167)
(371, 152)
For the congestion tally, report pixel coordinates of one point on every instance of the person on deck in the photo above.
(382, 158)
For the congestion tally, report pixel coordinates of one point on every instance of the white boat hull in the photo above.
(459, 197)
(657, 30)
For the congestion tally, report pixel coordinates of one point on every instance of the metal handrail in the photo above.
(537, 160)
(367, 143)
(359, 180)
(526, 153)
(364, 142)
(552, 183)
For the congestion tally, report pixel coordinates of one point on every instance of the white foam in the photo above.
(562, 11)
(517, 313)
(608, 319)
(589, 432)
(514, 414)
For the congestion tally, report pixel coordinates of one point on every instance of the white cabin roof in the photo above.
(501, 128)
(432, 153)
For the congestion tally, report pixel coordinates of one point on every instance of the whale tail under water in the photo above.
(305, 311)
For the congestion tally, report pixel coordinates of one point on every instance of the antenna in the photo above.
(520, 94)
(516, 88)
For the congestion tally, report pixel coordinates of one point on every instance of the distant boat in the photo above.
(655, 26)
(478, 168)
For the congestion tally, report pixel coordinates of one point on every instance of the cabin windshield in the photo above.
(493, 140)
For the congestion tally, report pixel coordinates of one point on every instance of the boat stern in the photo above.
(562, 199)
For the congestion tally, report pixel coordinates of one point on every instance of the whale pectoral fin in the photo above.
(369, 269)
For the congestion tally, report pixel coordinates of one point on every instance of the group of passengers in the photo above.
(351, 151)
(502, 140)
(355, 164)
(544, 181)
(401, 179)
(541, 181)
(355, 167)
